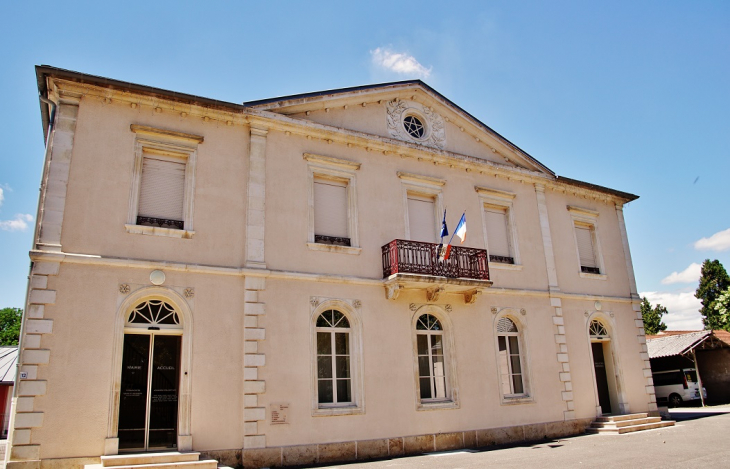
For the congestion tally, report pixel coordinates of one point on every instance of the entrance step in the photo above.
(168, 460)
(619, 424)
(147, 458)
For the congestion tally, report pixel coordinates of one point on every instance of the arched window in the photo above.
(431, 363)
(510, 358)
(334, 377)
(154, 314)
(597, 330)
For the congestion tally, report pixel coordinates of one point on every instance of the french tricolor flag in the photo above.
(461, 228)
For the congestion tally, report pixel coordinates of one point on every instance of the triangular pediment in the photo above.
(409, 111)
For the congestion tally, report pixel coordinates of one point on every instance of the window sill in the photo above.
(437, 405)
(334, 248)
(334, 411)
(594, 276)
(157, 231)
(501, 266)
(517, 400)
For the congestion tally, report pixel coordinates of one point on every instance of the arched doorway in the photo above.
(149, 391)
(604, 367)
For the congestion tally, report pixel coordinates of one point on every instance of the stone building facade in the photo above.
(262, 282)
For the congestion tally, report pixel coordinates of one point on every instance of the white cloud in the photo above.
(2, 197)
(682, 309)
(399, 62)
(689, 275)
(720, 241)
(19, 223)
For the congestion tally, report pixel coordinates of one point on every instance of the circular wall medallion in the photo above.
(157, 277)
(597, 305)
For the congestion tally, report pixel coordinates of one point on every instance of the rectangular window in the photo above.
(509, 365)
(586, 251)
(588, 246)
(162, 193)
(422, 218)
(330, 212)
(332, 201)
(498, 235)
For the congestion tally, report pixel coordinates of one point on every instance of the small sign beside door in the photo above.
(279, 413)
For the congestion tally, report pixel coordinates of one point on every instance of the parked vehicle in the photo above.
(675, 387)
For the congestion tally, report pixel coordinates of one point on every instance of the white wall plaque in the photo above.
(279, 413)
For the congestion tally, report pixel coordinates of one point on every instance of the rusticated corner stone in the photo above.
(337, 452)
(372, 449)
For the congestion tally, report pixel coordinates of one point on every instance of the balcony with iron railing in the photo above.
(417, 265)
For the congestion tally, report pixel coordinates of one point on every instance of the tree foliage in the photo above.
(652, 317)
(722, 309)
(713, 281)
(10, 319)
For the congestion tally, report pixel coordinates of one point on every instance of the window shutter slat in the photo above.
(497, 237)
(162, 189)
(585, 246)
(330, 208)
(421, 219)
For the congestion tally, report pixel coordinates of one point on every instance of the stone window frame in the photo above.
(172, 144)
(583, 217)
(452, 388)
(351, 310)
(520, 321)
(341, 170)
(505, 201)
(425, 186)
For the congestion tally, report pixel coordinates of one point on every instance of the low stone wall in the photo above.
(408, 445)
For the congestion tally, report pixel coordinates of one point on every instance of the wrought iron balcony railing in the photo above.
(414, 257)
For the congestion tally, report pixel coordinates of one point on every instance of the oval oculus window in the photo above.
(414, 127)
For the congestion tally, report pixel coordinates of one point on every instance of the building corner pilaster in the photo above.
(253, 360)
(256, 199)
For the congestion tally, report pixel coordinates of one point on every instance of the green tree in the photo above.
(652, 317)
(722, 308)
(10, 319)
(713, 281)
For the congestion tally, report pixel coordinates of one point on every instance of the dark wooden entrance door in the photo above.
(599, 365)
(149, 392)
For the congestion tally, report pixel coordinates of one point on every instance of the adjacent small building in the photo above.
(8, 367)
(707, 352)
(264, 282)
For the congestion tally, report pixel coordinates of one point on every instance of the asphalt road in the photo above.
(701, 438)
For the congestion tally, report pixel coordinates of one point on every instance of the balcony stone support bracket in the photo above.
(434, 287)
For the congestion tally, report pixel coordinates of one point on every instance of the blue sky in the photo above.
(631, 95)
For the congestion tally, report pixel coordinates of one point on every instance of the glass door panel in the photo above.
(163, 392)
(133, 392)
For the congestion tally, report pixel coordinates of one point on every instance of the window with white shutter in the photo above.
(162, 193)
(586, 251)
(161, 196)
(422, 218)
(330, 212)
(498, 239)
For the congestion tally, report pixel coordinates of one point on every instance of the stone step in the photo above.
(626, 423)
(618, 418)
(206, 464)
(147, 458)
(629, 429)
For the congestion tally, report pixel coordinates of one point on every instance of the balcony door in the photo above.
(422, 218)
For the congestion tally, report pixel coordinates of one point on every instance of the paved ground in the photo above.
(700, 439)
